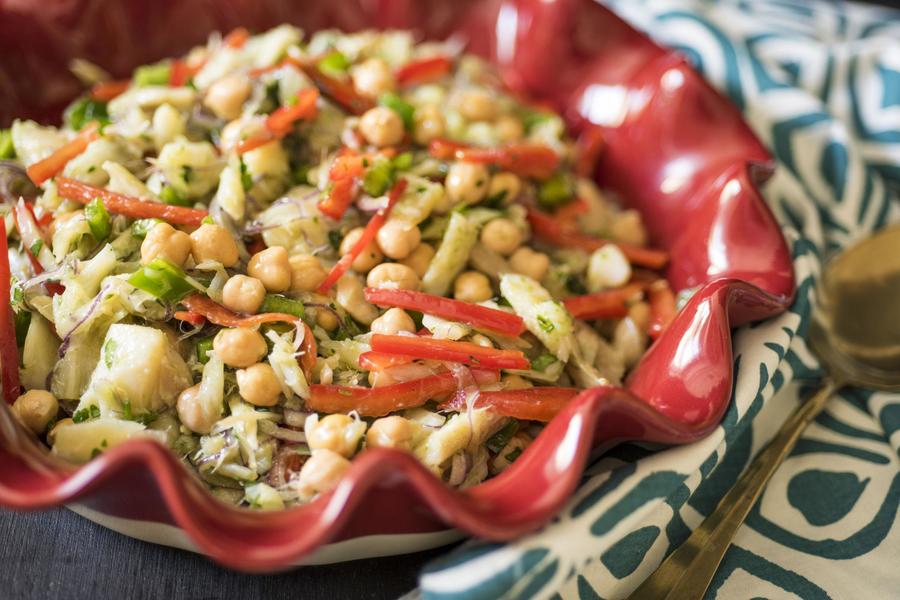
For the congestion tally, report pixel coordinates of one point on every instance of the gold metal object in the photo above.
(855, 332)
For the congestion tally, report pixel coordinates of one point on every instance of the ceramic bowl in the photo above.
(675, 149)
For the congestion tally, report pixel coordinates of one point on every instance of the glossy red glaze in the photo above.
(675, 149)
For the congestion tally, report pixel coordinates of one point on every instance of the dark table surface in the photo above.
(58, 554)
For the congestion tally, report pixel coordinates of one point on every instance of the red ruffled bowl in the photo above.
(676, 150)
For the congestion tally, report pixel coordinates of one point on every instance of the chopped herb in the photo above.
(575, 285)
(140, 227)
(83, 111)
(187, 173)
(403, 161)
(246, 178)
(7, 149)
(204, 346)
(501, 301)
(98, 219)
(86, 414)
(170, 195)
(95, 453)
(273, 99)
(497, 201)
(207, 220)
(513, 455)
(300, 174)
(158, 74)
(404, 109)
(23, 320)
(143, 418)
(542, 362)
(35, 248)
(109, 353)
(545, 324)
(335, 63)
(531, 118)
(498, 441)
(557, 190)
(335, 238)
(51, 424)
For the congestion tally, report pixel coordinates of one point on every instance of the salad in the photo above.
(277, 252)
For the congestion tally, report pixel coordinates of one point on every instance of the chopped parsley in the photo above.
(498, 441)
(187, 173)
(109, 353)
(86, 414)
(170, 195)
(83, 111)
(545, 324)
(542, 362)
(513, 455)
(7, 149)
(246, 178)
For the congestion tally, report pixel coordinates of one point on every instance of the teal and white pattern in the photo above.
(820, 84)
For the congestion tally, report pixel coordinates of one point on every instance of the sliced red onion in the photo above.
(64, 346)
(369, 204)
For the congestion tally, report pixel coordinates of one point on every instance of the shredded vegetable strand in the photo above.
(51, 166)
(9, 351)
(121, 204)
(365, 239)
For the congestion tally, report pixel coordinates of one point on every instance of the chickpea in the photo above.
(505, 183)
(419, 259)
(338, 433)
(326, 319)
(393, 276)
(372, 78)
(392, 322)
(398, 239)
(164, 241)
(51, 435)
(307, 273)
(239, 347)
(212, 242)
(628, 228)
(509, 129)
(472, 286)
(515, 382)
(35, 408)
(502, 236)
(381, 127)
(350, 295)
(390, 432)
(321, 473)
(429, 124)
(368, 258)
(243, 294)
(528, 262)
(192, 413)
(477, 105)
(467, 182)
(226, 96)
(258, 385)
(272, 267)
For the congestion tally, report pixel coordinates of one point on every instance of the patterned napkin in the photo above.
(820, 84)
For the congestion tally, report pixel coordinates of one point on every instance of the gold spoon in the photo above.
(855, 332)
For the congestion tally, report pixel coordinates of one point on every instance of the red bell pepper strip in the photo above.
(121, 204)
(466, 353)
(195, 319)
(347, 166)
(609, 304)
(480, 317)
(376, 361)
(281, 121)
(422, 71)
(530, 404)
(342, 92)
(549, 230)
(107, 90)
(236, 38)
(662, 308)
(365, 239)
(587, 151)
(9, 351)
(525, 159)
(379, 401)
(51, 166)
(217, 314)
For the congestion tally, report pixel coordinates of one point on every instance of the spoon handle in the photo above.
(687, 572)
